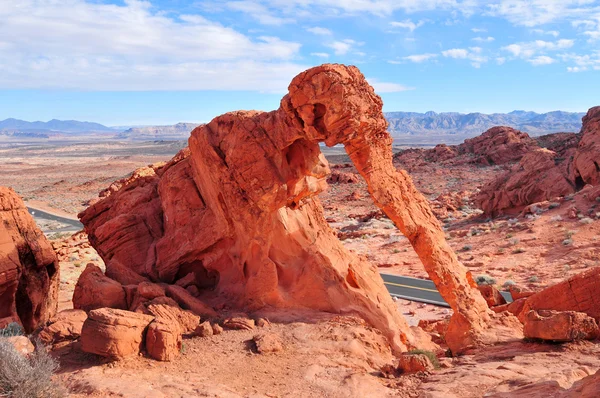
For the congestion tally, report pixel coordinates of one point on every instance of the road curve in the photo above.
(73, 225)
(421, 290)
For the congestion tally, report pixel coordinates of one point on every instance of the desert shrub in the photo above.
(533, 279)
(518, 250)
(432, 357)
(515, 241)
(554, 205)
(12, 329)
(508, 284)
(485, 280)
(27, 376)
(586, 220)
(567, 242)
(598, 199)
(466, 248)
(556, 218)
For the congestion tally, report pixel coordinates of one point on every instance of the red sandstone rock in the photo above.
(204, 330)
(412, 363)
(559, 326)
(342, 177)
(268, 343)
(114, 333)
(586, 163)
(66, 325)
(536, 178)
(575, 294)
(240, 210)
(29, 268)
(186, 320)
(238, 323)
(189, 302)
(499, 145)
(163, 340)
(95, 290)
(491, 295)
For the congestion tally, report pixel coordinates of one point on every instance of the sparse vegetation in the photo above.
(11, 330)
(533, 279)
(432, 357)
(556, 218)
(27, 376)
(553, 205)
(467, 248)
(567, 242)
(508, 284)
(586, 221)
(485, 280)
(518, 250)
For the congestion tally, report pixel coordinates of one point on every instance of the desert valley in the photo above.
(246, 261)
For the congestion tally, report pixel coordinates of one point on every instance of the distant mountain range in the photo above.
(65, 126)
(413, 127)
(471, 124)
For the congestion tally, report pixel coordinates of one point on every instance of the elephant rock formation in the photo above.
(235, 219)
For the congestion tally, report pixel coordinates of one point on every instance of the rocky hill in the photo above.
(179, 131)
(73, 126)
(469, 125)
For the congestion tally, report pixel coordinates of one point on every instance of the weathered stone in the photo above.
(238, 323)
(268, 343)
(114, 333)
(163, 340)
(204, 330)
(66, 325)
(186, 320)
(491, 295)
(95, 290)
(559, 326)
(586, 162)
(412, 363)
(29, 268)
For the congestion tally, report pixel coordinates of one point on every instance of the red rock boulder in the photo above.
(66, 325)
(114, 333)
(586, 163)
(95, 290)
(163, 340)
(499, 145)
(29, 269)
(560, 326)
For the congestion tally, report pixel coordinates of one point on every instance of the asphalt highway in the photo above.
(421, 290)
(72, 225)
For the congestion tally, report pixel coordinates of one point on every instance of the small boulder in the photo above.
(262, 323)
(65, 326)
(149, 290)
(239, 323)
(95, 290)
(268, 343)
(559, 326)
(163, 340)
(217, 329)
(412, 363)
(204, 330)
(114, 333)
(491, 295)
(22, 344)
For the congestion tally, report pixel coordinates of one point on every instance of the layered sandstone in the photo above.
(587, 158)
(29, 273)
(538, 177)
(239, 212)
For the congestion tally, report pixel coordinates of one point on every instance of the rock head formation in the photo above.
(234, 220)
(29, 273)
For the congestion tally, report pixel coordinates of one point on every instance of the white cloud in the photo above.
(500, 60)
(407, 24)
(472, 54)
(582, 62)
(478, 30)
(460, 53)
(488, 39)
(541, 60)
(576, 69)
(320, 31)
(554, 33)
(539, 12)
(342, 47)
(257, 11)
(320, 55)
(418, 58)
(386, 87)
(529, 49)
(73, 44)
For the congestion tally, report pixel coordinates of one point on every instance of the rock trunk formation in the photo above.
(240, 211)
(29, 273)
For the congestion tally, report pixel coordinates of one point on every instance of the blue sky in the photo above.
(164, 61)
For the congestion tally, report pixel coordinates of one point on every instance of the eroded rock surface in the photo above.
(29, 270)
(239, 210)
(587, 158)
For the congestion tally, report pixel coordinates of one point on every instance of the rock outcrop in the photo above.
(587, 158)
(239, 210)
(560, 326)
(499, 145)
(29, 270)
(538, 177)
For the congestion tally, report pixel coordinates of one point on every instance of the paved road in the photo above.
(421, 290)
(72, 225)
